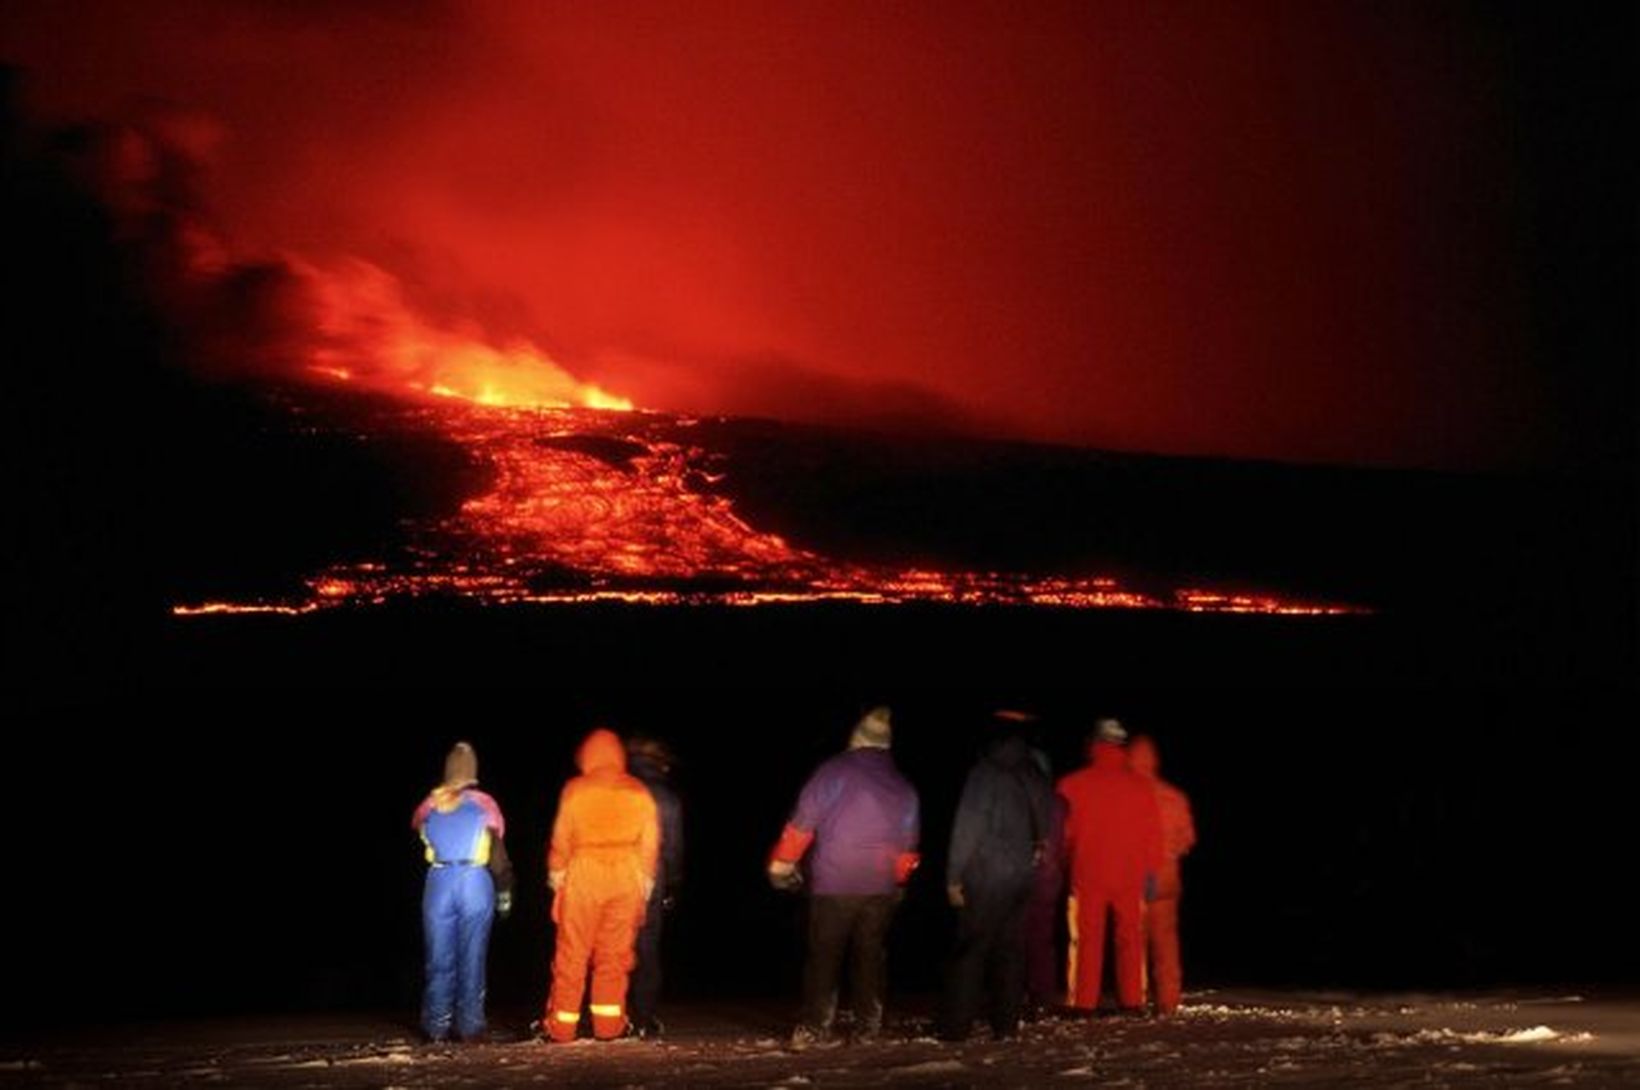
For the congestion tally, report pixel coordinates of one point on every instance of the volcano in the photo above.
(581, 505)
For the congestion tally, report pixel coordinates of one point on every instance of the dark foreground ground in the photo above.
(1218, 1039)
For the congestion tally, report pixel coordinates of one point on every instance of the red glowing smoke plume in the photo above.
(1265, 229)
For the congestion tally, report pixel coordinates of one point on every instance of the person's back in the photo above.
(455, 825)
(864, 815)
(1002, 819)
(604, 809)
(1001, 825)
(861, 818)
(1044, 980)
(650, 764)
(469, 879)
(601, 863)
(1178, 837)
(1114, 840)
(650, 761)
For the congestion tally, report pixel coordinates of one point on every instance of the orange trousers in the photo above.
(1092, 907)
(598, 912)
(1162, 943)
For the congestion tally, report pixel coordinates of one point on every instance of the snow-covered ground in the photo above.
(1218, 1038)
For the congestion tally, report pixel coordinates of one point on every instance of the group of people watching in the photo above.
(614, 863)
(1102, 845)
(1112, 828)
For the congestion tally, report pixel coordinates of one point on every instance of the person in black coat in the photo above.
(997, 839)
(651, 762)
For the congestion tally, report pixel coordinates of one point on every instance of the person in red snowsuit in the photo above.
(1162, 915)
(1113, 835)
(601, 863)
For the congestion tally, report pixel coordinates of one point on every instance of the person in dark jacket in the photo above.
(1001, 827)
(862, 818)
(1044, 972)
(651, 762)
(469, 880)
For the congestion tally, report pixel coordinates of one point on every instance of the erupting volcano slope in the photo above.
(592, 505)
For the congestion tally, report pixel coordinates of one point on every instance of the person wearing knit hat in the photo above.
(1110, 730)
(1113, 835)
(873, 730)
(862, 818)
(469, 880)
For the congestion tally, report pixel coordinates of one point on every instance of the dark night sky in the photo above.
(1393, 233)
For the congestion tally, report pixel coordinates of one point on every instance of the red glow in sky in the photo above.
(1273, 230)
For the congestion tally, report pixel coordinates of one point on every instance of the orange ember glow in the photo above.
(594, 506)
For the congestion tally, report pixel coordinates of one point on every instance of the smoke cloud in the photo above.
(1280, 230)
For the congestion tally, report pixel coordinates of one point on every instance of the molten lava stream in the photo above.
(594, 505)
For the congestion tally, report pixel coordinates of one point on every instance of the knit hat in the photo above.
(1110, 730)
(872, 730)
(461, 766)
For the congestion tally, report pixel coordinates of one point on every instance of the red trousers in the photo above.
(1162, 942)
(598, 916)
(1092, 906)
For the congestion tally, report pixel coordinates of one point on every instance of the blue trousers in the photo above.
(457, 907)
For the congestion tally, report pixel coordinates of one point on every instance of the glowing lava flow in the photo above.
(590, 506)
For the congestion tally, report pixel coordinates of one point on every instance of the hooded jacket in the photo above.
(604, 813)
(1173, 806)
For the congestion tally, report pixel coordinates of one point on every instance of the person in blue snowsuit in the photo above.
(1002, 824)
(469, 880)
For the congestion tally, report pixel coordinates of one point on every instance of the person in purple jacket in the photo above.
(861, 817)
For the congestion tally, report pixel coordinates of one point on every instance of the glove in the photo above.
(953, 893)
(784, 876)
(503, 903)
(1150, 888)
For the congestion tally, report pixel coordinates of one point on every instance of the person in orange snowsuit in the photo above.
(1113, 836)
(1162, 917)
(601, 864)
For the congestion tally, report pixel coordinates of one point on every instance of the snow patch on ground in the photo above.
(930, 1067)
(1529, 1036)
(383, 1058)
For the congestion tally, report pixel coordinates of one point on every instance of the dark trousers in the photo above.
(1044, 970)
(644, 988)
(988, 964)
(843, 926)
